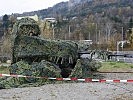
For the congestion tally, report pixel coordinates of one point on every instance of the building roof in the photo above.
(35, 17)
(52, 20)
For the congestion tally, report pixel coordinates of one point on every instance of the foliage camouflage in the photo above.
(35, 69)
(38, 57)
(84, 67)
(90, 65)
(26, 26)
(77, 71)
(36, 49)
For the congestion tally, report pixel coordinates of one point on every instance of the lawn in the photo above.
(116, 67)
(4, 70)
(106, 67)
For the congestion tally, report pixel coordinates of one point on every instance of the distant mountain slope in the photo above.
(60, 8)
(102, 21)
(85, 7)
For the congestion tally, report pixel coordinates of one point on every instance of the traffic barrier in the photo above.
(70, 79)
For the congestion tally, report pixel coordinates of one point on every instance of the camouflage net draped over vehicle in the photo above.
(38, 57)
(26, 26)
(36, 49)
(44, 69)
(34, 70)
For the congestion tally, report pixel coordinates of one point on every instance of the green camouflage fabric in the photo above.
(42, 69)
(56, 51)
(38, 57)
(84, 67)
(77, 72)
(26, 26)
(35, 69)
(90, 65)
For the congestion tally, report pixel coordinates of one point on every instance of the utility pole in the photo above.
(69, 31)
(89, 35)
(96, 33)
(99, 36)
(122, 34)
(122, 37)
(53, 33)
(106, 35)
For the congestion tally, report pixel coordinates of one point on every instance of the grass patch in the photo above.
(116, 67)
(4, 70)
(112, 63)
(131, 66)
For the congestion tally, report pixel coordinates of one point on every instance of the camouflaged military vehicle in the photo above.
(29, 47)
(38, 57)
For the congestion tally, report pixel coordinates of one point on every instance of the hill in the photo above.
(85, 7)
(102, 21)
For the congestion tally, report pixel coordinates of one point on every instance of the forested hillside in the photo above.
(102, 21)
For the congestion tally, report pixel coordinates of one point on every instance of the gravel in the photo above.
(74, 91)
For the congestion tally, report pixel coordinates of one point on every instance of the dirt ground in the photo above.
(75, 91)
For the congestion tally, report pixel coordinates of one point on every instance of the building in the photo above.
(51, 20)
(35, 17)
(87, 42)
(47, 27)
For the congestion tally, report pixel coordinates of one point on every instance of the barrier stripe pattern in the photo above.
(70, 79)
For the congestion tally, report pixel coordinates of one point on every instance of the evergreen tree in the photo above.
(131, 23)
(5, 21)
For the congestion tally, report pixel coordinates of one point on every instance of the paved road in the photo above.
(124, 59)
(128, 59)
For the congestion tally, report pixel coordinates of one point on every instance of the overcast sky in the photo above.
(20, 6)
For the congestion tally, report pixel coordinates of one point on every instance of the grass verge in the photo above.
(4, 70)
(116, 67)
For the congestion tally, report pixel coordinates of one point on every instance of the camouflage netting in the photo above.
(90, 65)
(45, 69)
(78, 70)
(26, 26)
(37, 57)
(36, 49)
(35, 69)
(83, 46)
